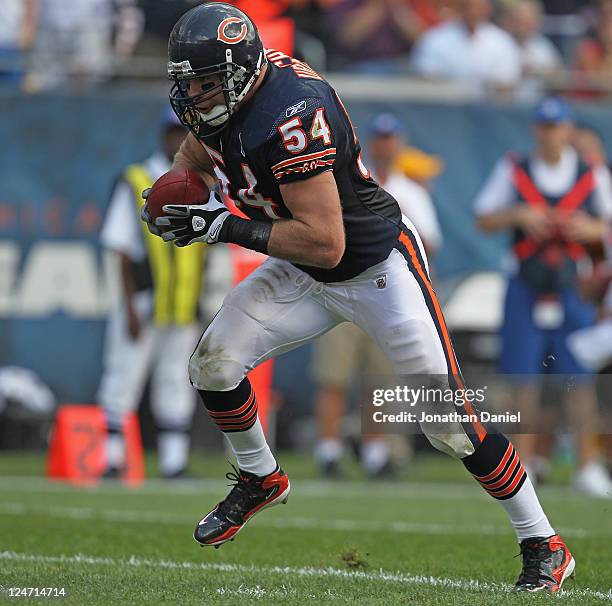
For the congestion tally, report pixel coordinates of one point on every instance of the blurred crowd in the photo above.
(508, 48)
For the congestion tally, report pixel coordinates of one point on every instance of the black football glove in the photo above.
(185, 224)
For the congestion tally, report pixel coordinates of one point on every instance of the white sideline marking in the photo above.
(258, 592)
(417, 491)
(300, 523)
(380, 576)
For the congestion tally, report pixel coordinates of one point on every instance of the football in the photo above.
(177, 186)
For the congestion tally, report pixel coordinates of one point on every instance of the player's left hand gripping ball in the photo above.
(184, 224)
(145, 215)
(180, 208)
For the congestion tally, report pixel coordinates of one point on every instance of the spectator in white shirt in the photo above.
(18, 23)
(470, 50)
(78, 42)
(540, 60)
(386, 143)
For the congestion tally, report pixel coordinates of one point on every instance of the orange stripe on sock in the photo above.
(242, 423)
(511, 469)
(239, 427)
(498, 469)
(219, 415)
(480, 430)
(507, 491)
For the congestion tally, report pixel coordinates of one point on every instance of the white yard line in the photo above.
(380, 576)
(300, 523)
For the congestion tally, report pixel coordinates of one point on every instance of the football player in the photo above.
(279, 142)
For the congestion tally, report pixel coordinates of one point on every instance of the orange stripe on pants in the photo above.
(446, 341)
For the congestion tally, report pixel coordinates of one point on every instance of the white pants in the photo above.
(163, 353)
(279, 307)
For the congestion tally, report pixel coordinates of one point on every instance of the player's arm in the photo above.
(315, 233)
(313, 236)
(193, 156)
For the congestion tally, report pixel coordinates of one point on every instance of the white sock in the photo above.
(374, 455)
(115, 450)
(252, 451)
(526, 514)
(172, 451)
(328, 450)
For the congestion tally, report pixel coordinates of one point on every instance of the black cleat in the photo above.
(546, 564)
(249, 496)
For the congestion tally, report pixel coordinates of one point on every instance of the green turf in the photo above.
(347, 542)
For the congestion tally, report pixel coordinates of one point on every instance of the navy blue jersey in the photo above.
(294, 128)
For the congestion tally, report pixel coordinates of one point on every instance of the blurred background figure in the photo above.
(554, 205)
(18, 25)
(389, 159)
(565, 22)
(346, 357)
(346, 360)
(27, 405)
(420, 167)
(541, 62)
(589, 146)
(81, 43)
(470, 50)
(592, 346)
(593, 59)
(376, 36)
(155, 327)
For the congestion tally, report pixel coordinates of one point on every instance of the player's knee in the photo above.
(211, 370)
(456, 445)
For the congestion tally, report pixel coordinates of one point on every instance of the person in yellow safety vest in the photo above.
(155, 327)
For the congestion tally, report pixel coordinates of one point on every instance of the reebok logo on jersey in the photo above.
(198, 223)
(295, 109)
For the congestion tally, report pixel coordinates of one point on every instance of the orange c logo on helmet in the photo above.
(221, 35)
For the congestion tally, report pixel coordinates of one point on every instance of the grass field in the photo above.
(430, 538)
